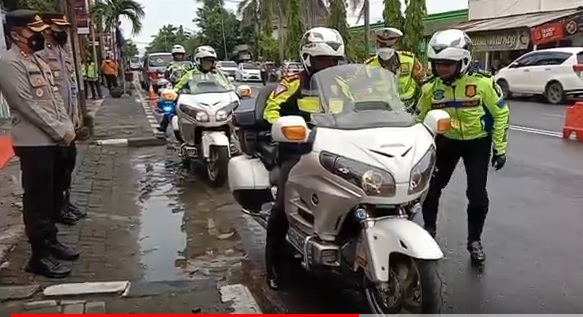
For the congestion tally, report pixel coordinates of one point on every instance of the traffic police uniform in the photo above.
(63, 70)
(479, 117)
(40, 125)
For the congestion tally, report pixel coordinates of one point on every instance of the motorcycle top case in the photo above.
(249, 116)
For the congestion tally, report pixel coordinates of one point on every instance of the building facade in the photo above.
(502, 30)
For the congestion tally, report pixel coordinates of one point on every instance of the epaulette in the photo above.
(292, 77)
(428, 80)
(407, 53)
(370, 60)
(480, 73)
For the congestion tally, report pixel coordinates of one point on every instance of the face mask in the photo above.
(385, 53)
(61, 37)
(36, 42)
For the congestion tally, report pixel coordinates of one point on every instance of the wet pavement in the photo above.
(539, 115)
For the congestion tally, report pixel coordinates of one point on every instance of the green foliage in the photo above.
(269, 47)
(337, 20)
(295, 28)
(110, 12)
(413, 26)
(168, 36)
(356, 48)
(130, 49)
(39, 5)
(392, 14)
(218, 27)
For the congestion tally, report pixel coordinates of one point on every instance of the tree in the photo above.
(130, 49)
(269, 47)
(415, 13)
(39, 5)
(219, 28)
(110, 12)
(170, 35)
(392, 15)
(295, 28)
(337, 20)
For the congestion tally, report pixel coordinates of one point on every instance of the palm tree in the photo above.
(363, 8)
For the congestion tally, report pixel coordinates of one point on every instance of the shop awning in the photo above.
(527, 20)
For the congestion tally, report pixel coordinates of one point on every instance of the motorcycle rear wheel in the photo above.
(424, 296)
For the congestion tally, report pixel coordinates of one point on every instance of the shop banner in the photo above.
(574, 25)
(510, 40)
(546, 33)
(82, 15)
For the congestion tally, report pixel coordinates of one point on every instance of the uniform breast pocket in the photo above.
(39, 86)
(56, 69)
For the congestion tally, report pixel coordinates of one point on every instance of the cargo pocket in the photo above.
(40, 88)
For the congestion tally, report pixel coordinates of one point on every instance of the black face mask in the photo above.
(36, 42)
(61, 37)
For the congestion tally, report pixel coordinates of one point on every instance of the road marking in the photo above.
(146, 105)
(554, 115)
(536, 131)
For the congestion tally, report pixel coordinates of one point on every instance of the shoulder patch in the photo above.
(279, 89)
(480, 73)
(407, 53)
(292, 77)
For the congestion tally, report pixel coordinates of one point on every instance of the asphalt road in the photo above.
(532, 238)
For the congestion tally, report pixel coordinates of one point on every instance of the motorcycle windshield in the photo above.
(209, 83)
(355, 96)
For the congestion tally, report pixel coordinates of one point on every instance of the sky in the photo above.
(182, 12)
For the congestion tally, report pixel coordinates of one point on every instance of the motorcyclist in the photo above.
(479, 117)
(320, 48)
(402, 63)
(179, 64)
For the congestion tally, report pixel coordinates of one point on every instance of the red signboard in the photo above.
(82, 14)
(549, 32)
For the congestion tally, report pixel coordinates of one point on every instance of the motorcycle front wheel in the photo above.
(414, 287)
(218, 164)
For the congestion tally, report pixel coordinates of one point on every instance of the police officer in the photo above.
(91, 78)
(479, 116)
(402, 63)
(320, 48)
(179, 64)
(40, 126)
(63, 70)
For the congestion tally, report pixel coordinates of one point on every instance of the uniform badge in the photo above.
(471, 91)
(438, 94)
(39, 92)
(404, 68)
(280, 89)
(37, 18)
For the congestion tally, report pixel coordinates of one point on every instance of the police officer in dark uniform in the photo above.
(63, 71)
(40, 126)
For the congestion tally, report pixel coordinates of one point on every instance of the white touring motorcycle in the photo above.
(351, 198)
(203, 118)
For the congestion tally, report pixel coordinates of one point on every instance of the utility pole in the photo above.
(366, 12)
(226, 57)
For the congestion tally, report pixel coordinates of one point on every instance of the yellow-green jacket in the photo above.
(475, 104)
(410, 73)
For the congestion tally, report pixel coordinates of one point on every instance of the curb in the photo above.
(132, 142)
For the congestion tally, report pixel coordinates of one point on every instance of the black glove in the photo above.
(498, 161)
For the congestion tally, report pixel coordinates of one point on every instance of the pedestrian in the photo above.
(91, 78)
(40, 127)
(63, 70)
(479, 123)
(263, 72)
(110, 69)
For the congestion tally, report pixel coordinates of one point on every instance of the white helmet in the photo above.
(386, 40)
(320, 41)
(178, 49)
(450, 45)
(204, 51)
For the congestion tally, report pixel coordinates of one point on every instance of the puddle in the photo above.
(185, 230)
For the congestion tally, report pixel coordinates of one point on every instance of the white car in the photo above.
(248, 72)
(228, 67)
(555, 73)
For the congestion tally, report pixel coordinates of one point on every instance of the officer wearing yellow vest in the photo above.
(402, 63)
(479, 116)
(91, 78)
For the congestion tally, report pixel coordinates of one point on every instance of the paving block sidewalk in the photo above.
(121, 118)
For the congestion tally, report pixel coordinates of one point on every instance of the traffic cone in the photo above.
(574, 122)
(6, 150)
(151, 94)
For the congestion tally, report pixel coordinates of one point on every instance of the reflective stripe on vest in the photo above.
(407, 85)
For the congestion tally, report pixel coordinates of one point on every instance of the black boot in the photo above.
(272, 279)
(70, 207)
(431, 230)
(66, 217)
(477, 254)
(62, 252)
(42, 263)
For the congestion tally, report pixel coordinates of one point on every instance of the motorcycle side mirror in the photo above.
(231, 78)
(290, 129)
(243, 91)
(437, 121)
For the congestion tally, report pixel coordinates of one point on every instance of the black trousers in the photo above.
(43, 184)
(95, 89)
(277, 223)
(264, 78)
(164, 123)
(476, 157)
(69, 160)
(111, 81)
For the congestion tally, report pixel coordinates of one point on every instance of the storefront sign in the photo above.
(574, 25)
(82, 16)
(500, 41)
(546, 33)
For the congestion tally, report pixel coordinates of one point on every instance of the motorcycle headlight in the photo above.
(374, 181)
(422, 172)
(201, 116)
(221, 115)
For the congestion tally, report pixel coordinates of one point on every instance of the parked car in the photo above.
(228, 67)
(153, 68)
(555, 73)
(247, 72)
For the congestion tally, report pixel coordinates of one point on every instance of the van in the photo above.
(153, 69)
